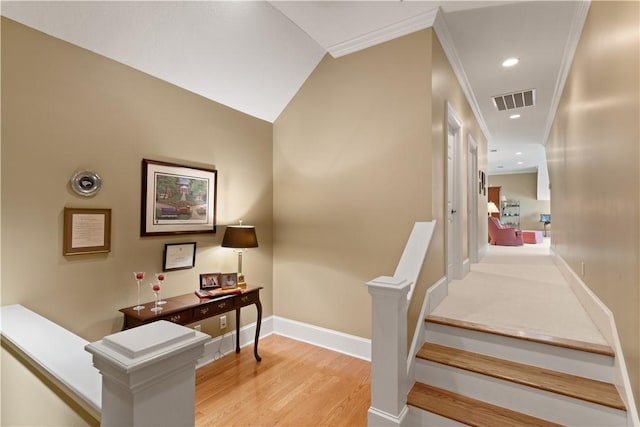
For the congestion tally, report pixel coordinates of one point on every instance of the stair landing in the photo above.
(520, 288)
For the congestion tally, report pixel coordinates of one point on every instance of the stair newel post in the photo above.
(389, 382)
(148, 375)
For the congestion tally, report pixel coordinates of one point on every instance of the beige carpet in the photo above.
(520, 287)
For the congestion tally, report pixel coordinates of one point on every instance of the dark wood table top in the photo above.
(180, 303)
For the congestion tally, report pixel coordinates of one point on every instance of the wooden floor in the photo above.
(296, 384)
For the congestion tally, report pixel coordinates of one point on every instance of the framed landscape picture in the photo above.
(177, 199)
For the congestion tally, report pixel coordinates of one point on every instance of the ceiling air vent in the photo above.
(511, 101)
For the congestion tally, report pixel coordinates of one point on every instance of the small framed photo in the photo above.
(179, 256)
(86, 231)
(210, 281)
(229, 280)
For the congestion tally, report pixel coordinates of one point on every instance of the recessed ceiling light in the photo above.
(519, 153)
(510, 62)
(514, 116)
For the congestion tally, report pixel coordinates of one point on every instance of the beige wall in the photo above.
(358, 158)
(65, 108)
(594, 160)
(352, 173)
(523, 187)
(29, 399)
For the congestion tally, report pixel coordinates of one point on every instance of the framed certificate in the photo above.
(86, 231)
(179, 256)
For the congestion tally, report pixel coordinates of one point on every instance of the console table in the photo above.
(189, 308)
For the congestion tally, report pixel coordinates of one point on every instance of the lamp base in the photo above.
(241, 283)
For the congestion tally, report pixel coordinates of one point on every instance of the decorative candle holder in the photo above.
(156, 290)
(161, 277)
(139, 276)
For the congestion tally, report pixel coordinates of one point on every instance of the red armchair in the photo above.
(502, 235)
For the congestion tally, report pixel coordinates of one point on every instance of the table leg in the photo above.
(237, 330)
(258, 323)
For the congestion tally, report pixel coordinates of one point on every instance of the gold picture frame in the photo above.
(229, 280)
(86, 231)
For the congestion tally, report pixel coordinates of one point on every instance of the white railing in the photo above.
(145, 376)
(56, 353)
(390, 301)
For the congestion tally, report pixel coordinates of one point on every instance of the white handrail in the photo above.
(56, 352)
(414, 253)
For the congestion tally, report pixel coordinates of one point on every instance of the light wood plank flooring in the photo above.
(296, 384)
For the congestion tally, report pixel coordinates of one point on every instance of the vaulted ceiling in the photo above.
(254, 55)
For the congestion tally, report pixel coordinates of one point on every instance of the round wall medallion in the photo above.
(86, 183)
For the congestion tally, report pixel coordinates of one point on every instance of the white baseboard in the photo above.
(435, 294)
(377, 418)
(466, 267)
(333, 340)
(225, 344)
(484, 250)
(603, 318)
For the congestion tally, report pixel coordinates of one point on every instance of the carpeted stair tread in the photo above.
(589, 390)
(523, 335)
(468, 411)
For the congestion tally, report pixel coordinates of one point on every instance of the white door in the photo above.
(453, 215)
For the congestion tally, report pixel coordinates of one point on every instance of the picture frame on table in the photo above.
(210, 281)
(229, 280)
(177, 199)
(179, 256)
(86, 231)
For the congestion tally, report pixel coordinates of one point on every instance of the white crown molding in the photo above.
(442, 31)
(390, 32)
(577, 23)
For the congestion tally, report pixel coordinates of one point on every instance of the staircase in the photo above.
(478, 375)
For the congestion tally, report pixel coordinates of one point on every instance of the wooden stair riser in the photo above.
(589, 365)
(538, 403)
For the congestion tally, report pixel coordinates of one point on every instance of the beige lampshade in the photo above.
(492, 208)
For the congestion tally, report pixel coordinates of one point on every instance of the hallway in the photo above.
(520, 288)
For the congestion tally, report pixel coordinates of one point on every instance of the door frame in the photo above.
(454, 123)
(472, 199)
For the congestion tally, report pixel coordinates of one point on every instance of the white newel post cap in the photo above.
(148, 374)
(386, 285)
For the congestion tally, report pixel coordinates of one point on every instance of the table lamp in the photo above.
(492, 208)
(240, 237)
